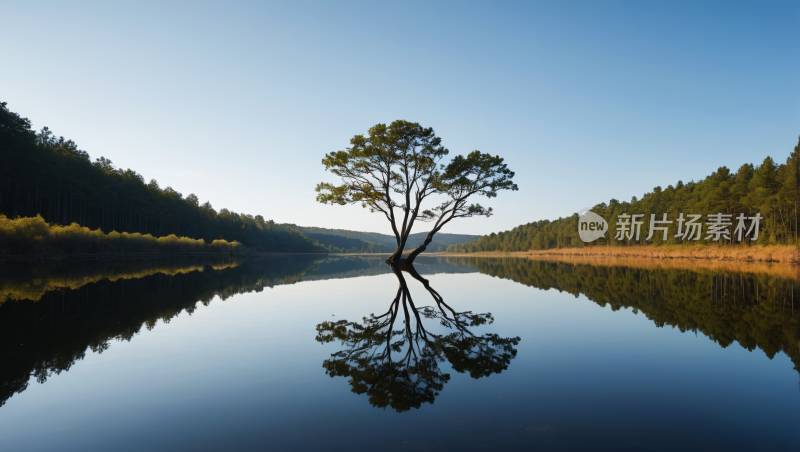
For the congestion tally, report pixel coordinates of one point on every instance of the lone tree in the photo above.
(394, 169)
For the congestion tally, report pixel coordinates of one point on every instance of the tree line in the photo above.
(49, 176)
(769, 189)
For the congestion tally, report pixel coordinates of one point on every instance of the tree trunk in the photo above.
(397, 255)
(413, 255)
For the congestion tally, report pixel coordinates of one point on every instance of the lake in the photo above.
(302, 352)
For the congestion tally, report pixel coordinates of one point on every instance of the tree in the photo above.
(13, 127)
(398, 167)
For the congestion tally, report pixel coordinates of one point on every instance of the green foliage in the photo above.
(388, 160)
(48, 176)
(768, 189)
(25, 236)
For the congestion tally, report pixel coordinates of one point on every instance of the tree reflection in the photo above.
(397, 363)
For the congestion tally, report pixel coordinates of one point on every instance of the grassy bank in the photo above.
(785, 254)
(773, 269)
(34, 236)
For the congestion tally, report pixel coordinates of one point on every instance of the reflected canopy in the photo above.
(397, 364)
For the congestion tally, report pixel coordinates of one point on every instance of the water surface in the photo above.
(344, 353)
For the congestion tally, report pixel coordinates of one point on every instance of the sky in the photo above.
(238, 102)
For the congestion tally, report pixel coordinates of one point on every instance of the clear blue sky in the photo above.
(239, 101)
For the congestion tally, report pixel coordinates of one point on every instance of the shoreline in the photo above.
(651, 261)
(783, 254)
(769, 254)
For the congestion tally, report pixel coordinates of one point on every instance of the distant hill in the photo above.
(342, 244)
(373, 242)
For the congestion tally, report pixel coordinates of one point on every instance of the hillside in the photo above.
(768, 189)
(342, 244)
(386, 243)
(43, 175)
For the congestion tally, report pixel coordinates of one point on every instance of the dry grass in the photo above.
(775, 260)
(785, 254)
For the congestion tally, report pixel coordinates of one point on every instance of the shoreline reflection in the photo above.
(83, 307)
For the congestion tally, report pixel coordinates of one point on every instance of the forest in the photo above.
(770, 189)
(49, 176)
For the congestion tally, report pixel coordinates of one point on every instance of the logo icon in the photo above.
(591, 226)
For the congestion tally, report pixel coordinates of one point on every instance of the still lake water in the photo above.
(282, 353)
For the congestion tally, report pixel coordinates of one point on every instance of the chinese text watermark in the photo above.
(690, 227)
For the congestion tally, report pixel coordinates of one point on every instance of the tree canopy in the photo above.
(399, 368)
(394, 169)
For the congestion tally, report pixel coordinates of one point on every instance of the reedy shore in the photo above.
(784, 254)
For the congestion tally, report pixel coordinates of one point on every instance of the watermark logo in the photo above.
(629, 227)
(591, 226)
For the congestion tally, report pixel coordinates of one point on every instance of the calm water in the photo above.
(302, 352)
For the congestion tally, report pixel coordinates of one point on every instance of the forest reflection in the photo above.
(397, 364)
(52, 314)
(754, 305)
